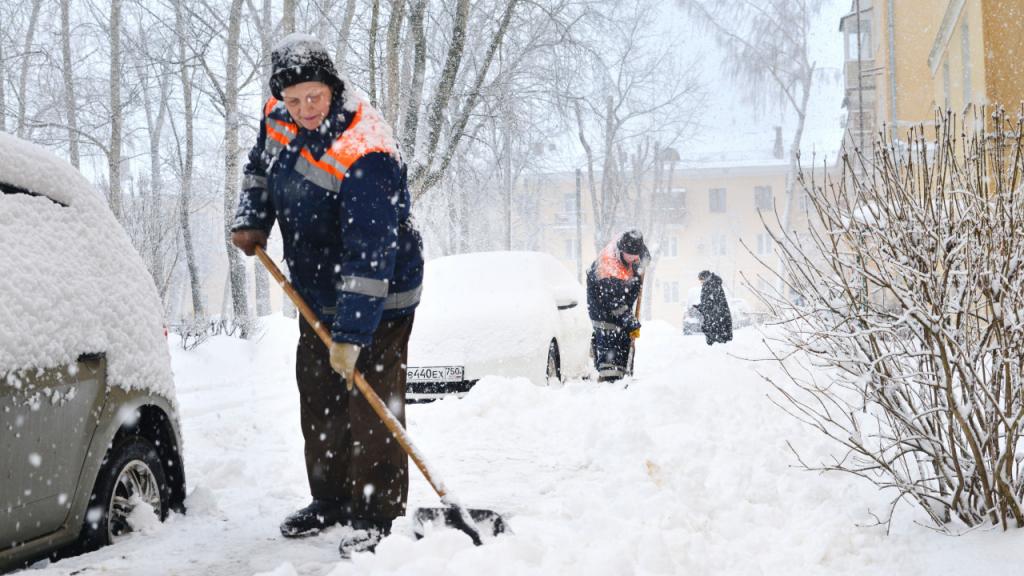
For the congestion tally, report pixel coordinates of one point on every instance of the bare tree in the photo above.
(623, 89)
(768, 53)
(186, 159)
(343, 36)
(288, 17)
(902, 337)
(70, 105)
(116, 113)
(393, 46)
(25, 60)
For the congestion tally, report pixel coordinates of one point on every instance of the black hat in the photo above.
(301, 58)
(632, 242)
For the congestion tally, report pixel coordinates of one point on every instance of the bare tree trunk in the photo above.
(239, 292)
(152, 248)
(25, 57)
(3, 78)
(69, 81)
(423, 179)
(595, 207)
(447, 81)
(346, 29)
(116, 118)
(412, 110)
(371, 50)
(185, 199)
(391, 96)
(261, 280)
(288, 17)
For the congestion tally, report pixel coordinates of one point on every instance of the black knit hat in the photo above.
(632, 242)
(301, 58)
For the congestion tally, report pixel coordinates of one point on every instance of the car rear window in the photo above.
(12, 189)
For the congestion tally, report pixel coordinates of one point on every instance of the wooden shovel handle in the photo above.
(396, 428)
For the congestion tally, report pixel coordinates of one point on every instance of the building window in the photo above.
(866, 51)
(672, 247)
(570, 248)
(804, 201)
(569, 203)
(671, 291)
(965, 56)
(716, 199)
(718, 245)
(764, 244)
(763, 197)
(945, 82)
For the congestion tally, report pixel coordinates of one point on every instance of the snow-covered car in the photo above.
(739, 309)
(496, 313)
(89, 437)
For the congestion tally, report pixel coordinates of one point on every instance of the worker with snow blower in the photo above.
(326, 168)
(613, 286)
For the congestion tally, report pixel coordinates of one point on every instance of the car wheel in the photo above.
(131, 474)
(554, 369)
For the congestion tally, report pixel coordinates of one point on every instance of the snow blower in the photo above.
(468, 520)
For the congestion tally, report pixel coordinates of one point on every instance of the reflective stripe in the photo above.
(605, 325)
(272, 148)
(612, 371)
(285, 126)
(334, 163)
(405, 299)
(252, 181)
(365, 286)
(620, 310)
(316, 176)
(395, 301)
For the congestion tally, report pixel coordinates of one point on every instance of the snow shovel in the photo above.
(632, 343)
(468, 520)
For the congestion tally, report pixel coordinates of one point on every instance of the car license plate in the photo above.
(435, 374)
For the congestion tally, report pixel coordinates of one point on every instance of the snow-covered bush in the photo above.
(908, 291)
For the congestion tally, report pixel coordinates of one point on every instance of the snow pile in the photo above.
(70, 281)
(685, 471)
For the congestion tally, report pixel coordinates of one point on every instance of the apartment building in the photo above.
(708, 217)
(907, 58)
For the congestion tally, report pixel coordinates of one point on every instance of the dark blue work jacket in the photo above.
(340, 198)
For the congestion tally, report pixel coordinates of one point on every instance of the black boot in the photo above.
(362, 535)
(312, 519)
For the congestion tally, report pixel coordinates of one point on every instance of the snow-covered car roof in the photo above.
(37, 171)
(488, 304)
(71, 282)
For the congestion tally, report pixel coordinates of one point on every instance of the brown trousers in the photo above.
(351, 456)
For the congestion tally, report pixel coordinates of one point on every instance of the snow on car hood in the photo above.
(70, 280)
(473, 310)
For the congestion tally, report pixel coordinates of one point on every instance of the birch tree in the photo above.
(185, 161)
(768, 54)
(26, 56)
(70, 102)
(116, 118)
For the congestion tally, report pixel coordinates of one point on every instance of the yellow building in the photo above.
(906, 58)
(707, 218)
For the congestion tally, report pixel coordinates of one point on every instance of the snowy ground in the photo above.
(683, 472)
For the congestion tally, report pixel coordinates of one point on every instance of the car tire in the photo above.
(130, 468)
(554, 365)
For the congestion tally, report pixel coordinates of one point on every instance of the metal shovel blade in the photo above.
(485, 523)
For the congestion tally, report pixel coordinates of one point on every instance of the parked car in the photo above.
(88, 425)
(496, 313)
(739, 309)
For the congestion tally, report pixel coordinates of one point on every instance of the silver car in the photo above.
(88, 426)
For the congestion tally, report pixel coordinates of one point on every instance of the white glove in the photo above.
(343, 360)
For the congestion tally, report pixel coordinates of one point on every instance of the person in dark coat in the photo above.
(613, 284)
(326, 169)
(716, 322)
